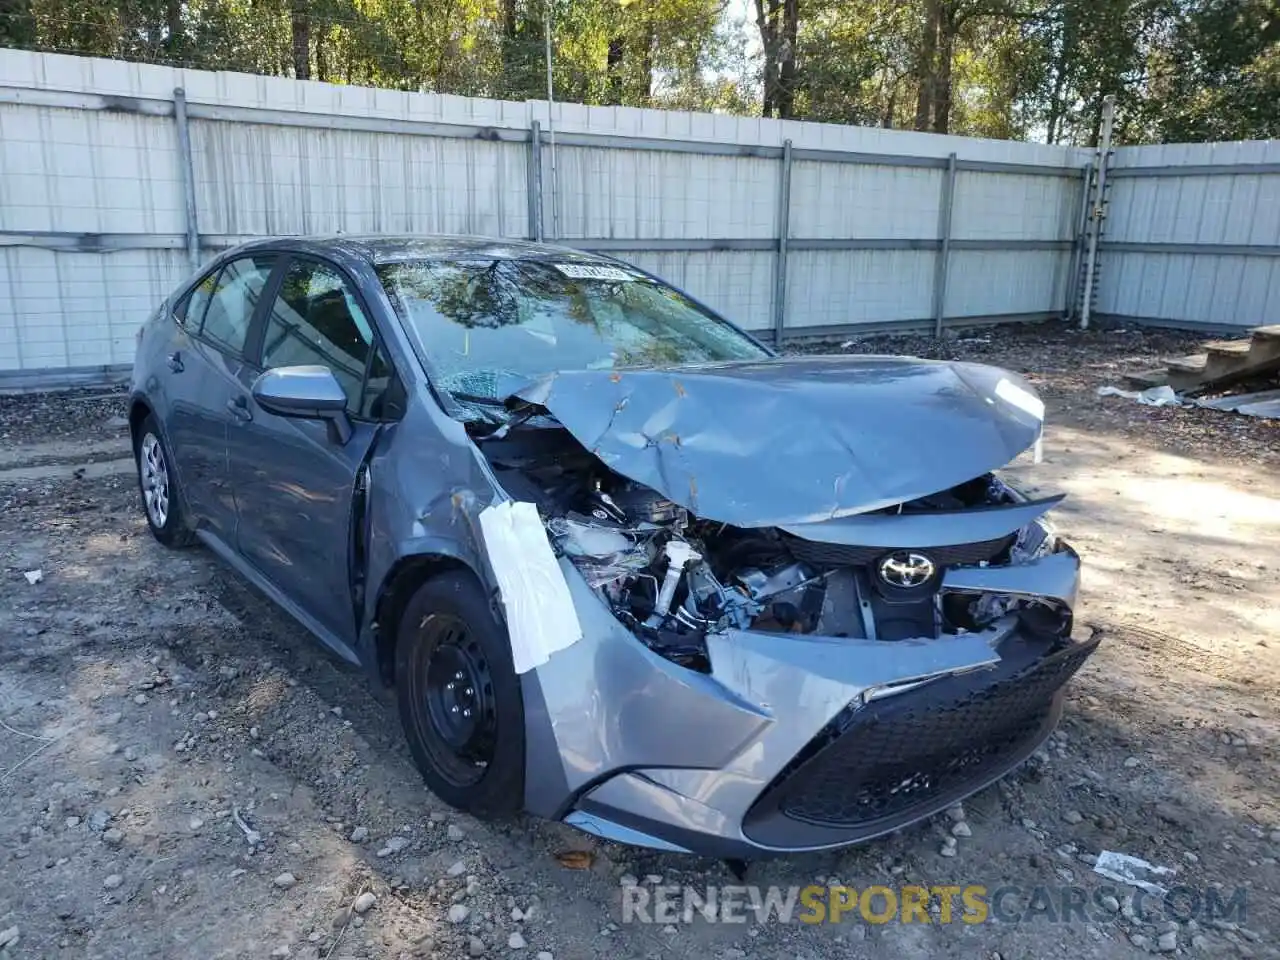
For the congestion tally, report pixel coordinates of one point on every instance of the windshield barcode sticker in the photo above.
(593, 271)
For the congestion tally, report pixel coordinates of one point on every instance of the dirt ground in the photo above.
(157, 715)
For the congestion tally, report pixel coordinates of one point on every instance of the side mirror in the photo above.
(305, 393)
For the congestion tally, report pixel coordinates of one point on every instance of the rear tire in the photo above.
(158, 484)
(459, 697)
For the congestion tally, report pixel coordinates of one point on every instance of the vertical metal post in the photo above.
(784, 227)
(1099, 206)
(947, 204)
(188, 175)
(1074, 277)
(534, 185)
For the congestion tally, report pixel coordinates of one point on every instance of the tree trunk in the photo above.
(890, 107)
(510, 19)
(613, 70)
(322, 53)
(942, 82)
(767, 23)
(646, 61)
(173, 20)
(1095, 131)
(1055, 101)
(787, 59)
(925, 64)
(514, 81)
(301, 39)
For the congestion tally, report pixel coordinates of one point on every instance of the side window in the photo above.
(191, 310)
(316, 319)
(235, 297)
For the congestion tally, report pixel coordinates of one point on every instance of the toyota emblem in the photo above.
(904, 569)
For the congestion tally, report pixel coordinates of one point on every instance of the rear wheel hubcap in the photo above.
(155, 479)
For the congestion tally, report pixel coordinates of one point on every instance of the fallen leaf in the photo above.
(576, 859)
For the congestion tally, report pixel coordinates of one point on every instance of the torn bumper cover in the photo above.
(802, 742)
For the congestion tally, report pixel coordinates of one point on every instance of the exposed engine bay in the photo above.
(672, 577)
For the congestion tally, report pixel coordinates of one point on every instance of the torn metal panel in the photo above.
(1263, 403)
(1056, 576)
(926, 529)
(801, 440)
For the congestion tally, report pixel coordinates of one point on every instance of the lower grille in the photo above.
(843, 555)
(845, 793)
(906, 756)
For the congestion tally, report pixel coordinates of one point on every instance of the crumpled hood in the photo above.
(795, 440)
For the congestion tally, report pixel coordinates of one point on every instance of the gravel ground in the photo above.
(27, 418)
(184, 773)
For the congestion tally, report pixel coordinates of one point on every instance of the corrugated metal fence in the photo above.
(115, 178)
(1193, 235)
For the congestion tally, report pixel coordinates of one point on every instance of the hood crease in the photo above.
(794, 440)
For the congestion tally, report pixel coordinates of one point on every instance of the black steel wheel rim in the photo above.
(457, 701)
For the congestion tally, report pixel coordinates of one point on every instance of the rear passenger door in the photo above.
(294, 483)
(200, 381)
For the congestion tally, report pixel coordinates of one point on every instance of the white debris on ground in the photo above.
(1150, 397)
(1264, 404)
(1132, 871)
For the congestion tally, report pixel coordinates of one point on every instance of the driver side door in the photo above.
(294, 480)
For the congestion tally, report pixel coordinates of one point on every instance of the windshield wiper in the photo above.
(477, 399)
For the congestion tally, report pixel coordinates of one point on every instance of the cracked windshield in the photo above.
(486, 327)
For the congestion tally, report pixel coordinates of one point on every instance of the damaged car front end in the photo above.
(791, 638)
(624, 566)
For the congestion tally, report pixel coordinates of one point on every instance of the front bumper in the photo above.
(793, 742)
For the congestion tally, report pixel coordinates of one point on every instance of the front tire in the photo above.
(158, 485)
(459, 697)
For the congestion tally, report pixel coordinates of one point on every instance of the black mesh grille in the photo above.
(905, 753)
(840, 555)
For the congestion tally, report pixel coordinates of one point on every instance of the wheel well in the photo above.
(138, 411)
(408, 574)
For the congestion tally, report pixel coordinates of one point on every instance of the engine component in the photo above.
(708, 605)
(789, 596)
(602, 507)
(581, 539)
(642, 505)
(603, 554)
(844, 614)
(678, 554)
(673, 578)
(763, 586)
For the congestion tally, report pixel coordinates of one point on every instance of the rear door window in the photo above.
(191, 310)
(235, 298)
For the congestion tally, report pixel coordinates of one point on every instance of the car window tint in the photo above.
(383, 397)
(191, 309)
(226, 321)
(316, 319)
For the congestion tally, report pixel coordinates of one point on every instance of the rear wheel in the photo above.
(159, 487)
(459, 697)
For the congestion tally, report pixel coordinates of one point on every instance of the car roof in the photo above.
(391, 248)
